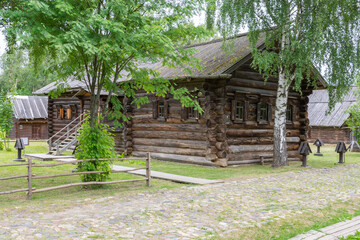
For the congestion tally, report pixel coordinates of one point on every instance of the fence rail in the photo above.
(30, 176)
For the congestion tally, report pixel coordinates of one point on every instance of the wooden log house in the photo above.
(30, 117)
(237, 124)
(330, 128)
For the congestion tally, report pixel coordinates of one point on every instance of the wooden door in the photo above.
(36, 131)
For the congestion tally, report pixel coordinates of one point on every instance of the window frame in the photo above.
(292, 113)
(234, 108)
(268, 112)
(156, 109)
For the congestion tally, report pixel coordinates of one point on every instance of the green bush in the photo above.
(95, 143)
(1, 146)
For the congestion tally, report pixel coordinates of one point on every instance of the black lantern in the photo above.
(318, 143)
(341, 150)
(304, 150)
(19, 145)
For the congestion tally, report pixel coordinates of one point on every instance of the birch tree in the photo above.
(299, 34)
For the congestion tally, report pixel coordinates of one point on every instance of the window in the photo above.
(239, 110)
(289, 117)
(189, 113)
(264, 112)
(161, 109)
(192, 113)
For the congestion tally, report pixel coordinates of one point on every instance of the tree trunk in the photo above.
(94, 107)
(280, 153)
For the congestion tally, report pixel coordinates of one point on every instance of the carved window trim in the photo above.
(239, 110)
(161, 109)
(263, 112)
(189, 114)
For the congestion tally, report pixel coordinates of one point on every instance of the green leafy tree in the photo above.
(20, 75)
(6, 121)
(298, 35)
(99, 42)
(94, 143)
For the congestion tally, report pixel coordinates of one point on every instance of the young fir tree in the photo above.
(299, 34)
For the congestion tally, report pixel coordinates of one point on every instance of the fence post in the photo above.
(29, 193)
(50, 143)
(148, 171)
(67, 131)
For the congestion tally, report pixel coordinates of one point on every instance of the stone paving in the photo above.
(189, 212)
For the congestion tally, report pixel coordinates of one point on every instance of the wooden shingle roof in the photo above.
(30, 107)
(318, 105)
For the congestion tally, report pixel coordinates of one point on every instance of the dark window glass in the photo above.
(161, 109)
(263, 112)
(239, 110)
(289, 114)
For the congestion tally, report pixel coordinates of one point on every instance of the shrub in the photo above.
(1, 146)
(95, 143)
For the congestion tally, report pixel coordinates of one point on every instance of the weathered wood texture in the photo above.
(171, 137)
(250, 138)
(216, 138)
(330, 135)
(33, 129)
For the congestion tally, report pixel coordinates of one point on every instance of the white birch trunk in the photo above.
(280, 148)
(280, 153)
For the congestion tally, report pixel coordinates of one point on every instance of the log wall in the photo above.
(172, 138)
(330, 135)
(247, 140)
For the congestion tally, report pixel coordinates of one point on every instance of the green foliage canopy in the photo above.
(99, 42)
(6, 122)
(19, 75)
(321, 33)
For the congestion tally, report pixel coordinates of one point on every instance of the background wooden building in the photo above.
(329, 128)
(66, 113)
(30, 117)
(237, 124)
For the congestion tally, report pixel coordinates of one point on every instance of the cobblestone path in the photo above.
(189, 212)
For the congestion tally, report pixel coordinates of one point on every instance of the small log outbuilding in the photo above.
(330, 128)
(237, 124)
(30, 117)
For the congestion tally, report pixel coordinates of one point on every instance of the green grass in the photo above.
(352, 237)
(246, 171)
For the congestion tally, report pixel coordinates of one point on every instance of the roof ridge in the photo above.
(216, 40)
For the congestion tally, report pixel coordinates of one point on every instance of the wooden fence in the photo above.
(30, 176)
